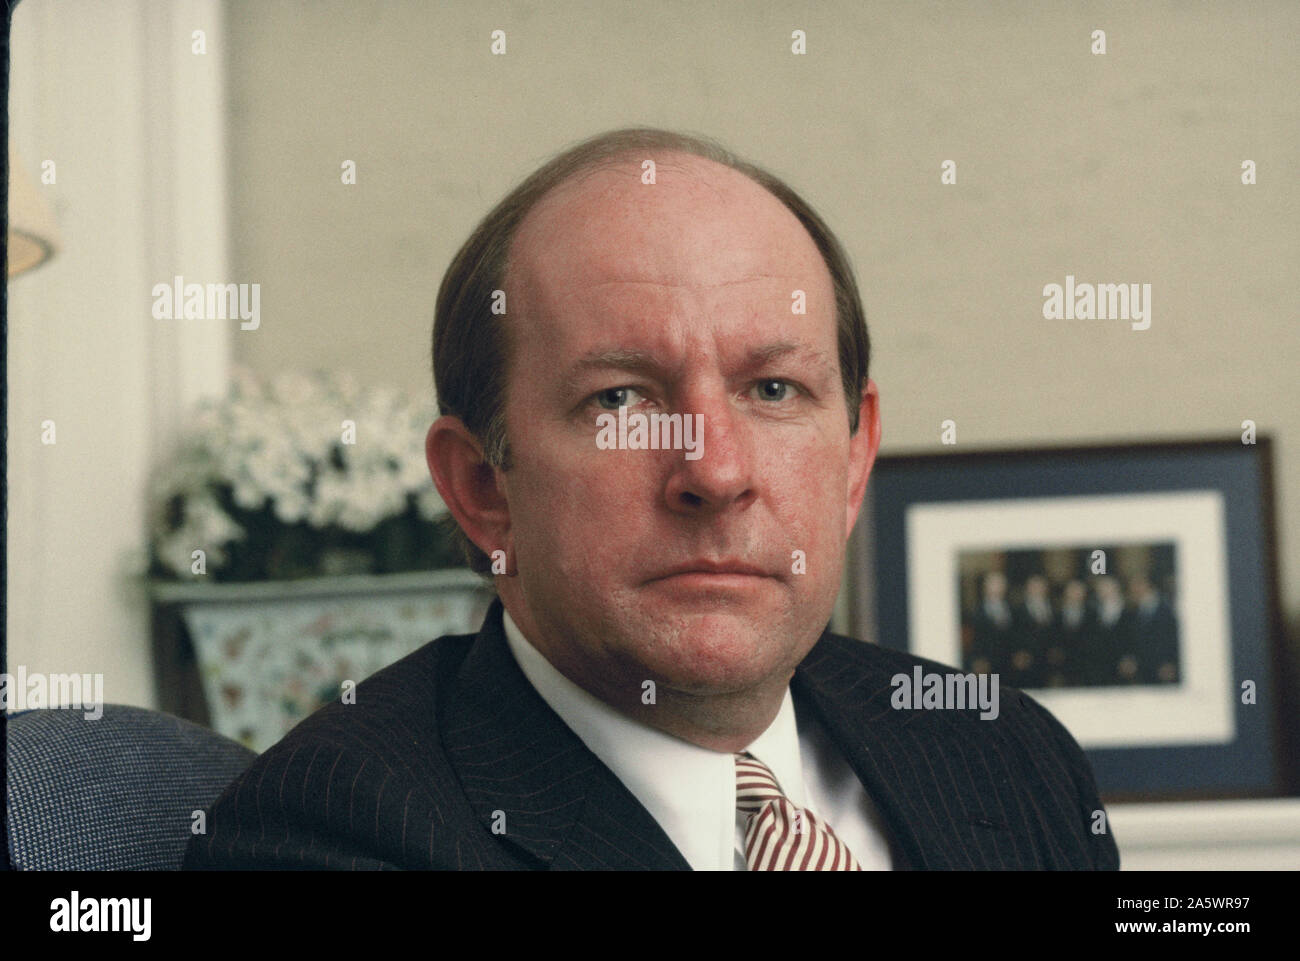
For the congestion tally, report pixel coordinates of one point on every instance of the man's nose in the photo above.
(723, 474)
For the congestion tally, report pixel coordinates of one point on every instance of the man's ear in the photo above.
(468, 485)
(862, 452)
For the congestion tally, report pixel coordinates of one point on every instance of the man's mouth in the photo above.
(710, 572)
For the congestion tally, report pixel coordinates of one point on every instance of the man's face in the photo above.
(675, 298)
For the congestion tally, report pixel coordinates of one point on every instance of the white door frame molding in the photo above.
(135, 123)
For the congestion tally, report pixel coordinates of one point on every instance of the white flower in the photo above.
(205, 527)
(281, 444)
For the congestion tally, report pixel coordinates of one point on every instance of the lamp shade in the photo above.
(32, 238)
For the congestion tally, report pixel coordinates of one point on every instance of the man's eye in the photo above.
(775, 390)
(615, 397)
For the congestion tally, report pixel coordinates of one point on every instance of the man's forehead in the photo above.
(700, 226)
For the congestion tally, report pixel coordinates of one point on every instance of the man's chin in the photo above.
(719, 651)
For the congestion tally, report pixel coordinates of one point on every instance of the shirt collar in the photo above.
(689, 790)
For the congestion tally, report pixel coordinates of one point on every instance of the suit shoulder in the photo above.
(318, 797)
(872, 667)
(1022, 750)
(416, 686)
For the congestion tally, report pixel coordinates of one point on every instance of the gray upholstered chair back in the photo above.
(117, 793)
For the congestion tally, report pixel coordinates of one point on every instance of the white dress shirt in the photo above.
(691, 791)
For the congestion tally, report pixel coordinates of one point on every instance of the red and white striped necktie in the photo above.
(782, 836)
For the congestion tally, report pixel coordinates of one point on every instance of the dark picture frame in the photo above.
(928, 517)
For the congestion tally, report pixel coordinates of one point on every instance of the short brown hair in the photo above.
(470, 343)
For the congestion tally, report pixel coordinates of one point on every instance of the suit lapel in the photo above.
(532, 783)
(931, 823)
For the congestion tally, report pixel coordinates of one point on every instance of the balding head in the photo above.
(471, 344)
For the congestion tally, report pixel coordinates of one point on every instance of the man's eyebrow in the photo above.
(765, 354)
(644, 362)
(618, 358)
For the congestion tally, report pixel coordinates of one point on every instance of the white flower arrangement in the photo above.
(274, 460)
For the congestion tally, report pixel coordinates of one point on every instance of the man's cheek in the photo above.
(811, 547)
(589, 511)
(808, 479)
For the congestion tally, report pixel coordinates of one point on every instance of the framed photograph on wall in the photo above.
(1129, 589)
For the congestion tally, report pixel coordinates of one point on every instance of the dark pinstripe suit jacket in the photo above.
(452, 741)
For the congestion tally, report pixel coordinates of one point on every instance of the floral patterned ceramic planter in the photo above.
(271, 653)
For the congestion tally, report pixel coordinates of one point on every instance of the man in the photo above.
(1067, 658)
(993, 626)
(1113, 642)
(1155, 633)
(656, 688)
(1034, 629)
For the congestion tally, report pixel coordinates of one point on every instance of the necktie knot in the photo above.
(755, 784)
(780, 835)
